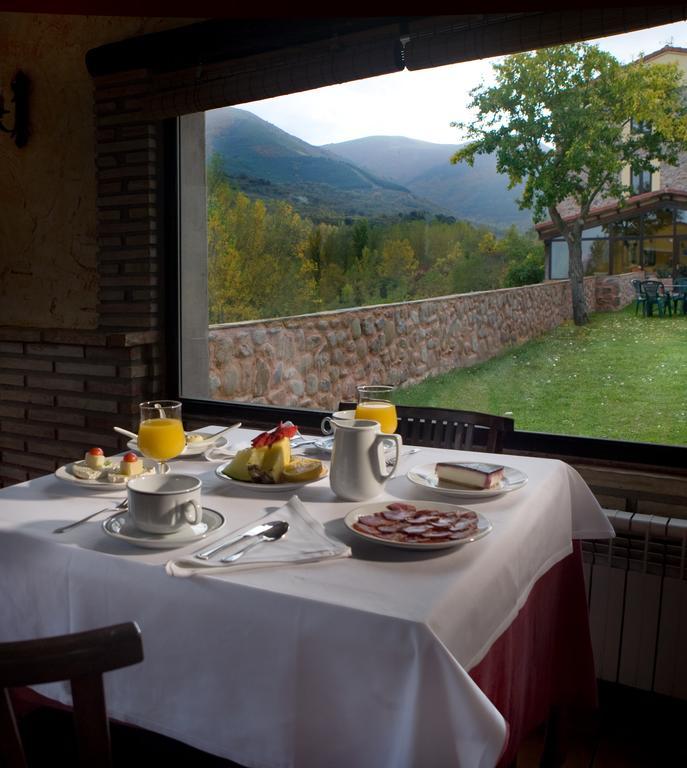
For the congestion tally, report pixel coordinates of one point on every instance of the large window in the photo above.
(306, 269)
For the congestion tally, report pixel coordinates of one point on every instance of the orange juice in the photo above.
(378, 410)
(161, 439)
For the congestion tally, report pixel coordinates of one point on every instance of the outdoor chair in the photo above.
(81, 658)
(656, 296)
(447, 428)
(640, 298)
(679, 293)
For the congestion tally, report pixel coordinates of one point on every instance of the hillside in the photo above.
(264, 161)
(477, 193)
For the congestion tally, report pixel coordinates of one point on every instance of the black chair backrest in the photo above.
(637, 285)
(81, 658)
(448, 428)
(652, 288)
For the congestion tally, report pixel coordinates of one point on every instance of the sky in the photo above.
(421, 104)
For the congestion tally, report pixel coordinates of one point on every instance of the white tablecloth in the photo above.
(355, 662)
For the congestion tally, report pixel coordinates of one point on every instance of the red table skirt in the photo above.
(544, 659)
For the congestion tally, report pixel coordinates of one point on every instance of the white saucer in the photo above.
(119, 527)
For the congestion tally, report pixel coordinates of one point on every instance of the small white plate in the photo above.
(119, 527)
(66, 473)
(483, 525)
(190, 449)
(266, 487)
(426, 477)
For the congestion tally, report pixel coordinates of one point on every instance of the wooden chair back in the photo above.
(81, 658)
(448, 428)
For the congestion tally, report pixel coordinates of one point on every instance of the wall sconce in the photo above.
(20, 131)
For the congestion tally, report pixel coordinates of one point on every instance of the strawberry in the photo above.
(278, 433)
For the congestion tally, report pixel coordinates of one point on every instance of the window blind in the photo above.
(181, 79)
(450, 40)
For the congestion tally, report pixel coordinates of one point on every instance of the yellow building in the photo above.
(649, 232)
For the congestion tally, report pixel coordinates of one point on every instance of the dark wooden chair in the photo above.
(81, 658)
(447, 428)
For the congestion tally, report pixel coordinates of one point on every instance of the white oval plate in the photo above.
(66, 473)
(190, 449)
(483, 525)
(119, 527)
(426, 477)
(266, 487)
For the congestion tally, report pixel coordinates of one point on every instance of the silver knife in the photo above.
(255, 531)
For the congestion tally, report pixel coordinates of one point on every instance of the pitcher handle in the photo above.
(398, 442)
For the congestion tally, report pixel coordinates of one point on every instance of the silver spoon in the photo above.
(122, 505)
(275, 532)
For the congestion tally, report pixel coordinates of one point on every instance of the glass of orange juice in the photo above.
(374, 402)
(161, 433)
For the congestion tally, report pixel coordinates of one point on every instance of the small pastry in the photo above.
(95, 458)
(131, 465)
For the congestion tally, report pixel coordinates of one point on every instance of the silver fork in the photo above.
(390, 462)
(122, 505)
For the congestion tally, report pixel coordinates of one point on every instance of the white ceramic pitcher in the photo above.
(358, 470)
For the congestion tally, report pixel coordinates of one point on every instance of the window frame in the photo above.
(571, 448)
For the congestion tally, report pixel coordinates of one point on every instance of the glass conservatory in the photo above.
(649, 233)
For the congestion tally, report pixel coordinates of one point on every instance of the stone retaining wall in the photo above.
(317, 360)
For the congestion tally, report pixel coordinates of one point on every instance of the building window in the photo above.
(640, 126)
(640, 182)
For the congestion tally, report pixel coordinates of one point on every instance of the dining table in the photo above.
(366, 655)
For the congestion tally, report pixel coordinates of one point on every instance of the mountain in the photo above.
(477, 193)
(266, 162)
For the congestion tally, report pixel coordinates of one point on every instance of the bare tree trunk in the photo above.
(576, 273)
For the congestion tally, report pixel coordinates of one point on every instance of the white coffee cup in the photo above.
(164, 503)
(326, 425)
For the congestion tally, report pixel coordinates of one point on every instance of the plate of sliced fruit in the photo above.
(102, 473)
(267, 464)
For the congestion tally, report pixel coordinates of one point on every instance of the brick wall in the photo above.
(62, 391)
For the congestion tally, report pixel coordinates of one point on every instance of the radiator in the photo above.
(637, 598)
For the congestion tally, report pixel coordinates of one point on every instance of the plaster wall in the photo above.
(48, 276)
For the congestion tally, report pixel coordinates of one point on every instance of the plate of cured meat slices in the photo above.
(417, 525)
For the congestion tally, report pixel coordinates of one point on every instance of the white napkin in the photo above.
(221, 452)
(305, 542)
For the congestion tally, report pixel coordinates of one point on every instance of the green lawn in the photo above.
(620, 376)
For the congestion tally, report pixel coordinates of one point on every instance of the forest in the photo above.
(266, 260)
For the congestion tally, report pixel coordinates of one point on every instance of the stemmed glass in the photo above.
(161, 433)
(374, 402)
